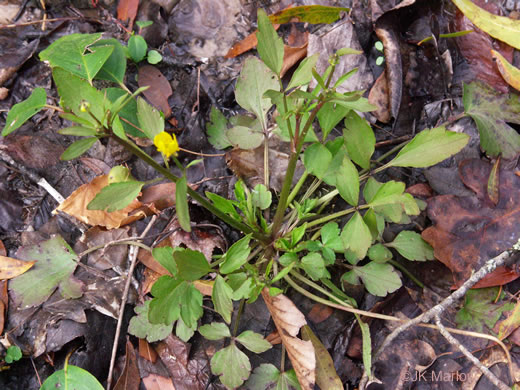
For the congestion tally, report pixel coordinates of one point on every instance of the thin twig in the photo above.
(133, 257)
(449, 301)
(452, 340)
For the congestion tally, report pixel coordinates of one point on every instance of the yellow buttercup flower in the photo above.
(166, 144)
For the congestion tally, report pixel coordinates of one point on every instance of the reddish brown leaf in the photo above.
(157, 382)
(378, 96)
(319, 313)
(3, 252)
(28, 150)
(146, 351)
(129, 379)
(160, 89)
(468, 231)
(186, 373)
(421, 190)
(476, 48)
(291, 56)
(127, 10)
(4, 301)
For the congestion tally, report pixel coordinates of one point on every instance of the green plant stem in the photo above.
(237, 318)
(282, 204)
(406, 272)
(286, 108)
(297, 187)
(131, 147)
(339, 214)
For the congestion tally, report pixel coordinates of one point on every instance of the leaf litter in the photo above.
(497, 130)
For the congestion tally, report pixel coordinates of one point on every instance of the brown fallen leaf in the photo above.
(326, 375)
(245, 44)
(76, 205)
(319, 313)
(146, 351)
(127, 10)
(288, 320)
(470, 230)
(4, 303)
(157, 382)
(291, 56)
(476, 48)
(130, 378)
(3, 252)
(11, 268)
(378, 96)
(160, 89)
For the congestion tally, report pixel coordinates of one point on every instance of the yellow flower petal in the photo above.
(166, 144)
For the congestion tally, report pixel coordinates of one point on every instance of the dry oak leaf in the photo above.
(470, 230)
(76, 205)
(288, 320)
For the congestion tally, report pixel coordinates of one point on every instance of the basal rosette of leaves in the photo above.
(287, 240)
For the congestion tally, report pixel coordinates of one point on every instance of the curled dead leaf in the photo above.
(76, 205)
(288, 320)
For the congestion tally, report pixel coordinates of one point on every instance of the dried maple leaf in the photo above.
(470, 230)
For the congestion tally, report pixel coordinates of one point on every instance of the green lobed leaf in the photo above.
(54, 267)
(75, 91)
(114, 68)
(232, 365)
(253, 341)
(116, 196)
(77, 148)
(225, 205)
(236, 256)
(267, 376)
(270, 45)
(215, 331)
(430, 147)
(191, 306)
(191, 265)
(314, 266)
(181, 204)
(165, 306)
(261, 197)
(244, 137)
(375, 222)
(356, 236)
(216, 128)
(379, 279)
(379, 253)
(221, 296)
(137, 48)
(13, 354)
(150, 119)
(330, 115)
(303, 73)
(480, 309)
(491, 110)
(154, 57)
(140, 326)
(255, 79)
(21, 112)
(316, 159)
(359, 139)
(128, 113)
(183, 331)
(72, 377)
(76, 54)
(347, 182)
(411, 246)
(387, 193)
(164, 256)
